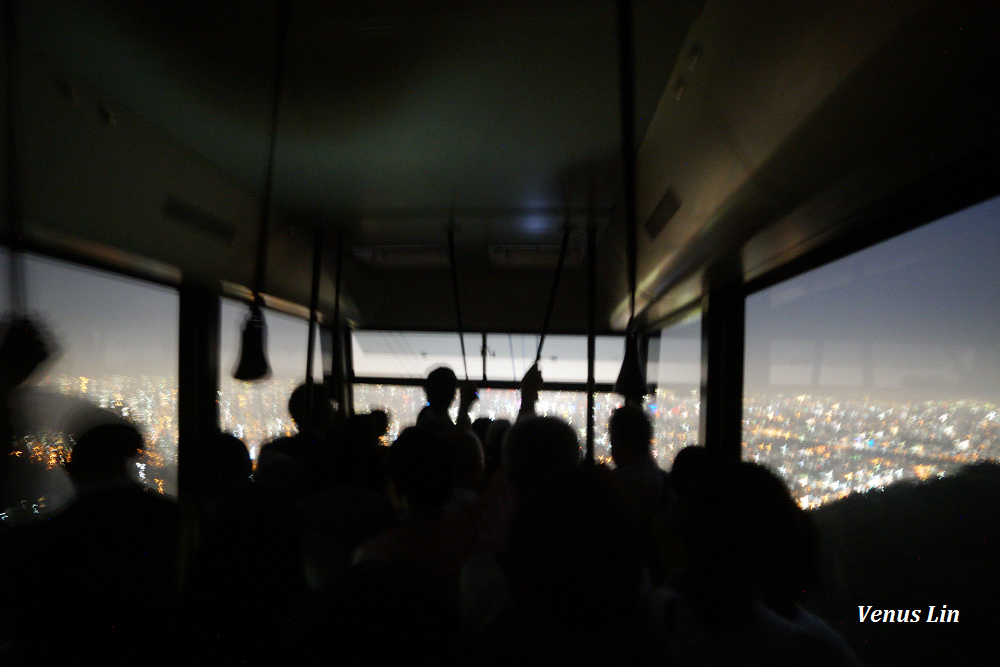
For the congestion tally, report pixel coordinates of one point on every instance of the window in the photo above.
(257, 412)
(508, 356)
(564, 358)
(404, 354)
(882, 366)
(404, 403)
(674, 365)
(116, 357)
(412, 355)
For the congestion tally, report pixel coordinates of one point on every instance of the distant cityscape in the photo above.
(824, 447)
(827, 448)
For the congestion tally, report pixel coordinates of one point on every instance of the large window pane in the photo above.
(406, 354)
(882, 366)
(675, 368)
(257, 412)
(404, 403)
(116, 357)
(564, 358)
(508, 356)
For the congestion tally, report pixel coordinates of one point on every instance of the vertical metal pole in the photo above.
(591, 324)
(340, 371)
(722, 358)
(313, 308)
(198, 376)
(348, 365)
(197, 399)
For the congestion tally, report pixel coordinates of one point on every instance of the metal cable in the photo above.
(458, 303)
(284, 19)
(555, 289)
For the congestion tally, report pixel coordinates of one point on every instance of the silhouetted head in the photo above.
(493, 445)
(440, 386)
(552, 586)
(538, 450)
(381, 420)
(689, 463)
(225, 463)
(357, 457)
(741, 523)
(469, 459)
(631, 434)
(480, 426)
(102, 454)
(421, 465)
(323, 414)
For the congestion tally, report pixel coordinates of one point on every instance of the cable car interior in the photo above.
(773, 225)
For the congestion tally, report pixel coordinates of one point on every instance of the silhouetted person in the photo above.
(244, 586)
(381, 421)
(669, 551)
(469, 466)
(642, 481)
(351, 509)
(23, 348)
(359, 454)
(689, 466)
(224, 470)
(428, 540)
(573, 553)
(107, 561)
(299, 465)
(493, 446)
(538, 451)
(531, 385)
(382, 614)
(480, 427)
(740, 524)
(440, 388)
(631, 434)
(534, 451)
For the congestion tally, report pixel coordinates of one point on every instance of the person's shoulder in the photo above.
(823, 640)
(431, 418)
(280, 445)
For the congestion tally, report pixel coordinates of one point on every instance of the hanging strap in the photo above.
(626, 99)
(485, 352)
(555, 288)
(454, 285)
(284, 19)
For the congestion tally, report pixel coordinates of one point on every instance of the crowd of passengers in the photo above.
(469, 543)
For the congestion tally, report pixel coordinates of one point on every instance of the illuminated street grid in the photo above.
(825, 448)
